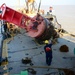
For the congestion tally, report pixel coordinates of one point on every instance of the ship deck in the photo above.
(22, 46)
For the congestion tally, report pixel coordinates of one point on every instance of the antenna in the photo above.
(39, 6)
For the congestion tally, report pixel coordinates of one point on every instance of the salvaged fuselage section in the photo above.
(44, 30)
(37, 27)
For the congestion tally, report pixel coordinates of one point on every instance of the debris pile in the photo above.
(31, 70)
(26, 60)
(68, 72)
(64, 48)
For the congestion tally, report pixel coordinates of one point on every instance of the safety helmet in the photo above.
(46, 41)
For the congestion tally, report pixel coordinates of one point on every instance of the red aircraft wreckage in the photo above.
(37, 27)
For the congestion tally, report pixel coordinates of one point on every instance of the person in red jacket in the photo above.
(48, 52)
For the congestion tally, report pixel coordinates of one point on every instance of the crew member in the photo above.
(48, 52)
(50, 10)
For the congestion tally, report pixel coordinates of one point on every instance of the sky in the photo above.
(43, 2)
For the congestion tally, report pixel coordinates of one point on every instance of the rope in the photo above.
(47, 67)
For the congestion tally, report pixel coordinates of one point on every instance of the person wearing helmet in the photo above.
(50, 9)
(48, 52)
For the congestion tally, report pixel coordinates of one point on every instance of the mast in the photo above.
(39, 6)
(30, 5)
(18, 2)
